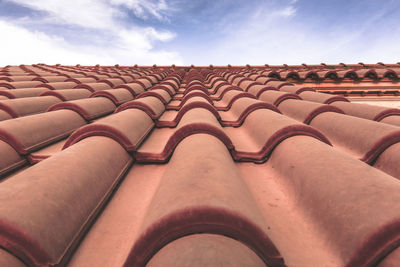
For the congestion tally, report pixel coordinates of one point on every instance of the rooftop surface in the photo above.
(200, 166)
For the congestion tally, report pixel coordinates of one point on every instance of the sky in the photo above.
(199, 32)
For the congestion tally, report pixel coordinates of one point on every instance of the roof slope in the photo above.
(197, 166)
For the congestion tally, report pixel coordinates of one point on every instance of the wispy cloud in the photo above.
(108, 36)
(145, 8)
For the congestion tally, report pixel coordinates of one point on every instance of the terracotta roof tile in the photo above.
(93, 87)
(88, 108)
(27, 106)
(153, 106)
(216, 250)
(117, 96)
(128, 127)
(39, 235)
(67, 94)
(26, 92)
(47, 128)
(371, 112)
(321, 97)
(22, 84)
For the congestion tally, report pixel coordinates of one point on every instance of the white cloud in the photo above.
(287, 11)
(110, 41)
(85, 13)
(142, 8)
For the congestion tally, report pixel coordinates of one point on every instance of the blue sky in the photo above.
(199, 32)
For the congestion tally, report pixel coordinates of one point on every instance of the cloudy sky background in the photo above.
(199, 32)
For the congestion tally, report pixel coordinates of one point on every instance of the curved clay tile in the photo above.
(9, 260)
(307, 74)
(387, 73)
(257, 90)
(24, 92)
(305, 111)
(4, 115)
(241, 108)
(157, 76)
(351, 74)
(278, 84)
(93, 87)
(128, 128)
(112, 81)
(126, 78)
(88, 108)
(159, 146)
(149, 104)
(8, 79)
(295, 89)
(51, 79)
(321, 97)
(393, 120)
(19, 78)
(227, 208)
(237, 79)
(135, 75)
(328, 74)
(117, 96)
(223, 90)
(146, 81)
(229, 98)
(10, 159)
(194, 83)
(29, 133)
(200, 87)
(46, 209)
(276, 97)
(339, 193)
(265, 79)
(367, 73)
(290, 75)
(172, 120)
(134, 88)
(361, 138)
(217, 85)
(273, 74)
(99, 77)
(161, 94)
(176, 105)
(214, 80)
(388, 161)
(152, 78)
(68, 94)
(76, 75)
(19, 107)
(216, 250)
(249, 84)
(234, 76)
(170, 82)
(58, 85)
(371, 112)
(81, 80)
(46, 152)
(17, 85)
(166, 87)
(262, 138)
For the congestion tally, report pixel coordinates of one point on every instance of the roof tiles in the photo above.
(251, 166)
